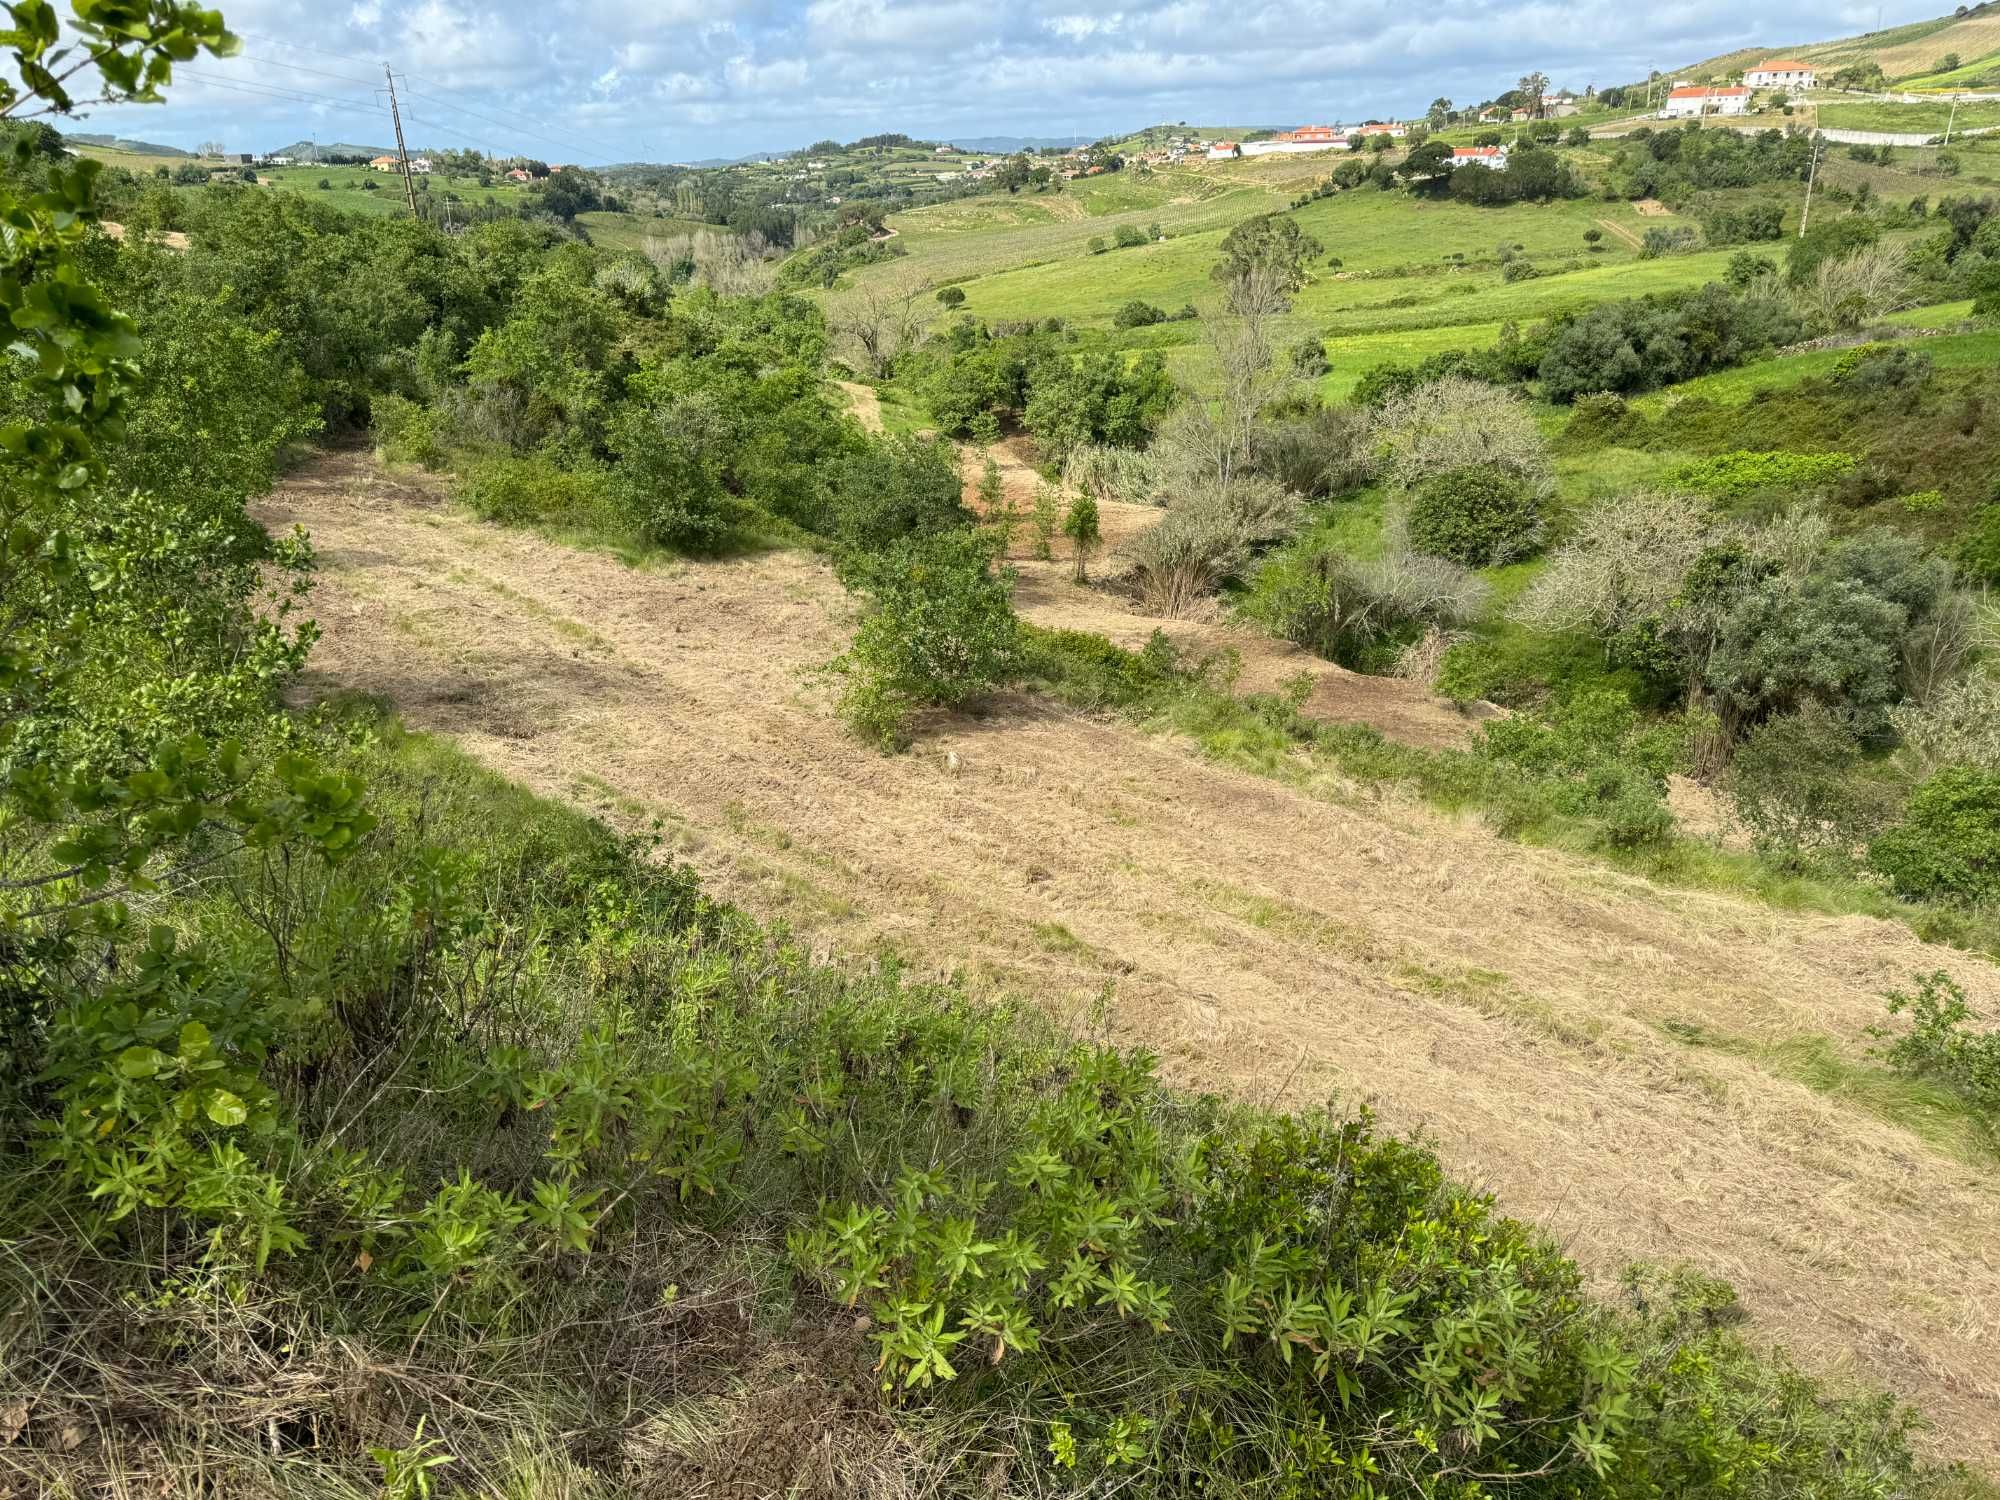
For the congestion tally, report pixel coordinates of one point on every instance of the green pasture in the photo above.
(1914, 119)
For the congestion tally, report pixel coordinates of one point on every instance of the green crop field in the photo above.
(1913, 119)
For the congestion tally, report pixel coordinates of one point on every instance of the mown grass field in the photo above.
(1915, 119)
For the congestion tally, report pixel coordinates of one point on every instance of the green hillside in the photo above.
(1910, 55)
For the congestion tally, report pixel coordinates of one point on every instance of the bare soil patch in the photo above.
(1614, 227)
(1651, 208)
(1526, 1009)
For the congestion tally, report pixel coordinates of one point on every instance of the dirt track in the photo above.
(1266, 940)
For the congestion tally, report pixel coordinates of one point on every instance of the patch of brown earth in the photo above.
(1283, 942)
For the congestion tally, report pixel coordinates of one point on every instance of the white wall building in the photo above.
(1492, 157)
(1690, 101)
(1782, 73)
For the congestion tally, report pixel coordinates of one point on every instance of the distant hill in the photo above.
(1906, 54)
(1005, 144)
(305, 149)
(121, 143)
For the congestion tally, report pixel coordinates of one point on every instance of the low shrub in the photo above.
(1106, 472)
(536, 491)
(1359, 611)
(1478, 516)
(1941, 1047)
(1947, 848)
(1598, 759)
(1731, 476)
(1138, 314)
(1979, 552)
(1795, 786)
(1206, 538)
(939, 631)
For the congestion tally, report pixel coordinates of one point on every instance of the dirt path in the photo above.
(1280, 943)
(1614, 227)
(867, 406)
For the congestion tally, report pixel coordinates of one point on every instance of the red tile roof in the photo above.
(1458, 151)
(1782, 65)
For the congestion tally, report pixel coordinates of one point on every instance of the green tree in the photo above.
(940, 631)
(1271, 245)
(1080, 525)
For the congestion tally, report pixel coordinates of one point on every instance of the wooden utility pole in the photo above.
(1812, 171)
(402, 151)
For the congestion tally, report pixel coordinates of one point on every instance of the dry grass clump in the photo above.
(1207, 537)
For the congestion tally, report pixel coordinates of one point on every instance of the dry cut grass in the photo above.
(1604, 1054)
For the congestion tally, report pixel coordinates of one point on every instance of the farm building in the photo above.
(1781, 73)
(1690, 101)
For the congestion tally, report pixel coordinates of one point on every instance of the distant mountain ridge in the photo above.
(122, 143)
(306, 149)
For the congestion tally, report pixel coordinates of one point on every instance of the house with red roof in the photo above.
(1691, 100)
(1781, 73)
(1492, 157)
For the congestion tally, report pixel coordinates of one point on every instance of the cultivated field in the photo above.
(1648, 1073)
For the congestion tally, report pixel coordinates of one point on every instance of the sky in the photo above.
(598, 81)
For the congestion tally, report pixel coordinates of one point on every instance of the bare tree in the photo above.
(1455, 423)
(1210, 438)
(1846, 293)
(880, 323)
(1626, 566)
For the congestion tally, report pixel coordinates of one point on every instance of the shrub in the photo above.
(1592, 236)
(1947, 848)
(1137, 314)
(951, 296)
(1309, 360)
(535, 491)
(1207, 537)
(1732, 476)
(892, 487)
(1478, 516)
(1356, 611)
(1327, 452)
(669, 471)
(1126, 236)
(939, 631)
(1794, 785)
(1455, 423)
(1979, 553)
(1939, 1047)
(1591, 752)
(1625, 563)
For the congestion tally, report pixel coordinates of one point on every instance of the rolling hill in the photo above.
(1910, 53)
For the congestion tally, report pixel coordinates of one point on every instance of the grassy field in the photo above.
(1979, 72)
(1915, 119)
(1732, 387)
(634, 231)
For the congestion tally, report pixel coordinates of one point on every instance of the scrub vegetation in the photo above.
(378, 1125)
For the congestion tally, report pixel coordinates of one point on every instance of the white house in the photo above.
(1493, 158)
(420, 164)
(1223, 150)
(1782, 73)
(1690, 101)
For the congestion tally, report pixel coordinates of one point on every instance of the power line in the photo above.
(279, 91)
(599, 148)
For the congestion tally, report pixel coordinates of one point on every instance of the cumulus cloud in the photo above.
(698, 78)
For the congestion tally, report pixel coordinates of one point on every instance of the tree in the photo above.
(1439, 113)
(940, 631)
(1268, 246)
(1428, 167)
(1533, 86)
(1081, 527)
(1949, 63)
(880, 325)
(1014, 173)
(951, 296)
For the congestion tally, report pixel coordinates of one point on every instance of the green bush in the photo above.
(1939, 1046)
(1731, 476)
(1137, 314)
(1796, 786)
(1979, 553)
(535, 491)
(1519, 270)
(1477, 516)
(891, 488)
(1599, 760)
(939, 632)
(669, 470)
(1947, 848)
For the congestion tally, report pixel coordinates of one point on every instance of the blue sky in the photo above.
(594, 81)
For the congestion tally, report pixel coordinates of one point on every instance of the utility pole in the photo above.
(1812, 171)
(1948, 119)
(402, 151)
